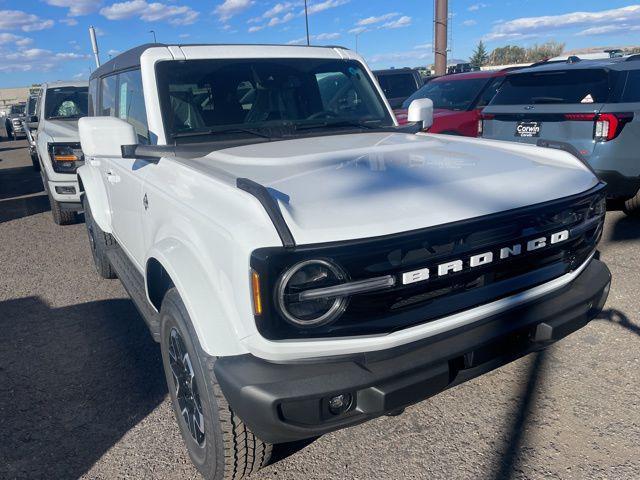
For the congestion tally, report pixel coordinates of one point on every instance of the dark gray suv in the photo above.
(589, 107)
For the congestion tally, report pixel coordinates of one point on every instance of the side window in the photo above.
(131, 105)
(632, 88)
(107, 97)
(93, 97)
(489, 92)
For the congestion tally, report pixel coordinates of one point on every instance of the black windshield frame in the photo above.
(384, 121)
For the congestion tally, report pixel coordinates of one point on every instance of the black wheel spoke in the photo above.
(186, 388)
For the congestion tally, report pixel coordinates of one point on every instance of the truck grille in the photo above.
(406, 305)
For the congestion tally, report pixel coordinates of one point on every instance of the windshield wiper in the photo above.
(64, 117)
(547, 100)
(213, 131)
(338, 124)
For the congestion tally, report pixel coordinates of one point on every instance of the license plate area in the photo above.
(528, 129)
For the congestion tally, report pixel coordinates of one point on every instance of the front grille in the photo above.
(407, 305)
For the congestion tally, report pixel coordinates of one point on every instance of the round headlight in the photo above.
(310, 275)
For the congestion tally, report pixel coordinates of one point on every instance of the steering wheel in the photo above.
(323, 114)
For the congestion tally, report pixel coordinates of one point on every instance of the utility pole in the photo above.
(94, 45)
(440, 45)
(306, 21)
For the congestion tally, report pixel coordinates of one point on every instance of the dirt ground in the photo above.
(82, 393)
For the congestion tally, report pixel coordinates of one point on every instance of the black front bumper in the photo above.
(284, 402)
(619, 186)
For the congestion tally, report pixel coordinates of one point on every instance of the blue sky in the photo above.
(47, 39)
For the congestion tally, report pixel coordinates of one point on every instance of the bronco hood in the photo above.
(62, 130)
(346, 187)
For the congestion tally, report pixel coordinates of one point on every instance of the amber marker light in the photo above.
(255, 290)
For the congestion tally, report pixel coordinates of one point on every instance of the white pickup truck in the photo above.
(305, 263)
(57, 145)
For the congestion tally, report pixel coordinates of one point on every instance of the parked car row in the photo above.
(305, 262)
(11, 124)
(589, 107)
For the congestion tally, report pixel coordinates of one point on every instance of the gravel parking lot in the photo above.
(82, 393)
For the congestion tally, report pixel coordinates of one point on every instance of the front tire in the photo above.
(219, 443)
(99, 241)
(60, 216)
(632, 206)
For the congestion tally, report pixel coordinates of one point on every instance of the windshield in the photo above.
(239, 96)
(66, 102)
(554, 87)
(17, 110)
(450, 94)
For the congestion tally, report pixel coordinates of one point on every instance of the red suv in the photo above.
(458, 100)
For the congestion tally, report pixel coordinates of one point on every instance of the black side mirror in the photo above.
(33, 119)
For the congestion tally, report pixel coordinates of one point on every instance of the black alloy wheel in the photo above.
(186, 387)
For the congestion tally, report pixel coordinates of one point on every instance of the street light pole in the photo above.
(306, 21)
(153, 32)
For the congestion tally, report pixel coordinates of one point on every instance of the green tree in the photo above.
(545, 51)
(480, 56)
(507, 55)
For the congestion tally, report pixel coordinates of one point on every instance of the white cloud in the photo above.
(279, 20)
(469, 23)
(278, 9)
(151, 12)
(255, 28)
(27, 22)
(529, 26)
(325, 5)
(357, 30)
(609, 29)
(36, 59)
(184, 35)
(424, 46)
(7, 38)
(410, 56)
(71, 22)
(398, 23)
(113, 52)
(76, 7)
(477, 6)
(229, 8)
(372, 20)
(315, 38)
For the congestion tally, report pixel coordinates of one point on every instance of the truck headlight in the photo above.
(295, 298)
(66, 158)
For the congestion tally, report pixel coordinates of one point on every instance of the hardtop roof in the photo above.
(131, 58)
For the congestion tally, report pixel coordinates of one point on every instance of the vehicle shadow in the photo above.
(619, 318)
(19, 181)
(73, 381)
(516, 437)
(626, 228)
(17, 188)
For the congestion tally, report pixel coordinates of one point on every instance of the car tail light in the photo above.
(607, 126)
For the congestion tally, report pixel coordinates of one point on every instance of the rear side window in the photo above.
(632, 87)
(397, 85)
(558, 87)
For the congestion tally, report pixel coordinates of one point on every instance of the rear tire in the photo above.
(100, 242)
(632, 206)
(219, 443)
(60, 216)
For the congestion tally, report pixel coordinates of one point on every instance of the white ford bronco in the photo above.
(57, 145)
(305, 263)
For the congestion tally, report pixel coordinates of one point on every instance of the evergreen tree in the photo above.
(480, 56)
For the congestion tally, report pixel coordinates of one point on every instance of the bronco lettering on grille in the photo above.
(485, 258)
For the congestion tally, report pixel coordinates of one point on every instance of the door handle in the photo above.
(112, 177)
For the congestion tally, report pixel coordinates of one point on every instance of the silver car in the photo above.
(589, 107)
